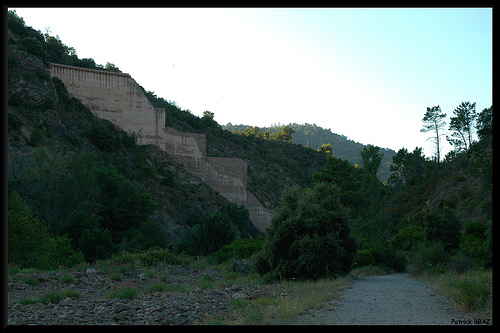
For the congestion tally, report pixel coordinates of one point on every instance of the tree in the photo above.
(326, 148)
(371, 160)
(112, 68)
(30, 244)
(442, 225)
(251, 131)
(339, 172)
(96, 244)
(209, 115)
(284, 135)
(462, 125)
(407, 168)
(239, 217)
(309, 238)
(433, 121)
(484, 123)
(123, 205)
(213, 232)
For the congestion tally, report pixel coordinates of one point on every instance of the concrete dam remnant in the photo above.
(119, 99)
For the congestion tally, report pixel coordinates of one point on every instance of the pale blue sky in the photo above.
(368, 74)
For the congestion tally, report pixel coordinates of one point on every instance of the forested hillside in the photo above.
(315, 136)
(92, 188)
(80, 189)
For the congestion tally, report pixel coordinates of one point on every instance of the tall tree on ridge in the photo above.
(433, 121)
(462, 125)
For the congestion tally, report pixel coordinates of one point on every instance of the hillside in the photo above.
(88, 182)
(52, 138)
(315, 136)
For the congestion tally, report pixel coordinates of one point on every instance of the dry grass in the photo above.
(292, 298)
(470, 291)
(297, 297)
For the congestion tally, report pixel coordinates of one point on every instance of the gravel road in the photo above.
(393, 299)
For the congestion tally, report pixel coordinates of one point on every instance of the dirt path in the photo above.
(393, 299)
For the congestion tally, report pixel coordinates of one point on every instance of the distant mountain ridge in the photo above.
(314, 136)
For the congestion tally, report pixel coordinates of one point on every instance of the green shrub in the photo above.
(70, 293)
(442, 225)
(240, 249)
(157, 287)
(309, 237)
(124, 291)
(50, 297)
(388, 257)
(204, 285)
(31, 280)
(364, 258)
(14, 123)
(104, 136)
(474, 243)
(460, 263)
(116, 277)
(66, 279)
(152, 257)
(96, 244)
(150, 273)
(26, 301)
(29, 242)
(36, 137)
(213, 232)
(427, 256)
(472, 294)
(409, 238)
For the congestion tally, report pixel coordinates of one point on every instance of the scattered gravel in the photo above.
(188, 299)
(393, 299)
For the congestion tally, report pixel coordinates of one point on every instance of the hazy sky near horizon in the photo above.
(367, 73)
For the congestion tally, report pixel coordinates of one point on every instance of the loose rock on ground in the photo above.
(182, 303)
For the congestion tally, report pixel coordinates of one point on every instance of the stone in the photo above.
(119, 307)
(240, 267)
(211, 272)
(67, 300)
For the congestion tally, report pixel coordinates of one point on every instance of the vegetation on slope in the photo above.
(68, 167)
(317, 138)
(87, 179)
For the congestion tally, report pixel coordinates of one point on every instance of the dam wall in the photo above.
(118, 98)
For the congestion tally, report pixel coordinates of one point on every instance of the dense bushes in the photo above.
(214, 230)
(240, 249)
(442, 225)
(31, 244)
(309, 238)
(98, 208)
(409, 238)
(152, 257)
(476, 243)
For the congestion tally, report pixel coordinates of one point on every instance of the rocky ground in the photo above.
(174, 295)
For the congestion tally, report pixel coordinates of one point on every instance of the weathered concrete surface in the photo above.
(118, 98)
(228, 176)
(115, 97)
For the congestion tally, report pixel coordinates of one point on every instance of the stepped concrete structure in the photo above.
(119, 99)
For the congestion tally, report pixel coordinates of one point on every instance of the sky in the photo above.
(366, 73)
